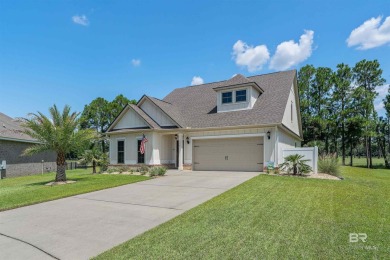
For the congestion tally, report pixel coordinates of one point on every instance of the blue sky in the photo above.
(70, 52)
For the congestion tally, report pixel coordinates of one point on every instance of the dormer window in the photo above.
(238, 94)
(241, 95)
(227, 97)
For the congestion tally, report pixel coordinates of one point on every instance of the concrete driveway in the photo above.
(82, 226)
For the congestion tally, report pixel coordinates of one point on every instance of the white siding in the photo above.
(289, 114)
(285, 141)
(131, 151)
(161, 148)
(129, 120)
(162, 151)
(156, 114)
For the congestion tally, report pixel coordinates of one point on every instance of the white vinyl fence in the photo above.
(310, 153)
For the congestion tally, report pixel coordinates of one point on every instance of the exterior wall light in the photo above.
(175, 137)
(269, 135)
(188, 140)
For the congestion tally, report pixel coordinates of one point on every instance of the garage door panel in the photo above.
(235, 154)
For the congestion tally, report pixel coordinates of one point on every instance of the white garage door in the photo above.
(233, 154)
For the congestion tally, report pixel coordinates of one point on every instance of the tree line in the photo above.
(338, 112)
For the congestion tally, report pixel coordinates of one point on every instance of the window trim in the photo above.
(232, 98)
(246, 96)
(117, 150)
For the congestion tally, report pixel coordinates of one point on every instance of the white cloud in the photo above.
(252, 57)
(370, 34)
(196, 80)
(80, 19)
(378, 103)
(290, 53)
(136, 62)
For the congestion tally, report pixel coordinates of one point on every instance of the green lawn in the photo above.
(361, 162)
(271, 217)
(22, 191)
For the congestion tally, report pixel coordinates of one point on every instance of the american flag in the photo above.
(142, 146)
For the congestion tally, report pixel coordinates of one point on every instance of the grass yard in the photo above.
(361, 162)
(272, 217)
(27, 190)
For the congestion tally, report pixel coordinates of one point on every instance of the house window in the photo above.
(121, 151)
(227, 97)
(241, 95)
(141, 157)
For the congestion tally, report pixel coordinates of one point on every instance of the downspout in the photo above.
(276, 162)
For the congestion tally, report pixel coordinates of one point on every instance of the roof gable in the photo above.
(132, 117)
(236, 79)
(161, 111)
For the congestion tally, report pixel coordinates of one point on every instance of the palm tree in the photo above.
(296, 164)
(93, 156)
(59, 133)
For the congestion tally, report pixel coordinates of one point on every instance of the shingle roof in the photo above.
(195, 106)
(236, 79)
(11, 129)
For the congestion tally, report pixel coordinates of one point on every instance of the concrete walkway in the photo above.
(83, 226)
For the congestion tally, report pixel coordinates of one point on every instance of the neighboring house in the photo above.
(13, 142)
(240, 124)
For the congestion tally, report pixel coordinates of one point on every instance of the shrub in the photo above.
(123, 169)
(328, 163)
(153, 171)
(111, 170)
(296, 164)
(160, 171)
(277, 171)
(143, 169)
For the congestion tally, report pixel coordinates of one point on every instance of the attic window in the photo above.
(227, 97)
(241, 95)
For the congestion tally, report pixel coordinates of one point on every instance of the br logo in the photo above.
(355, 237)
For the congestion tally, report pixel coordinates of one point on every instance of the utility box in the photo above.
(3, 167)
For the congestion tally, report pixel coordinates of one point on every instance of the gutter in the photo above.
(19, 140)
(189, 129)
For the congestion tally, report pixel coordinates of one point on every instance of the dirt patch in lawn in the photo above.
(54, 183)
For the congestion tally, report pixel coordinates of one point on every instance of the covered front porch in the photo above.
(171, 149)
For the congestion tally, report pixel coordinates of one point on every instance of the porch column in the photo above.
(180, 152)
